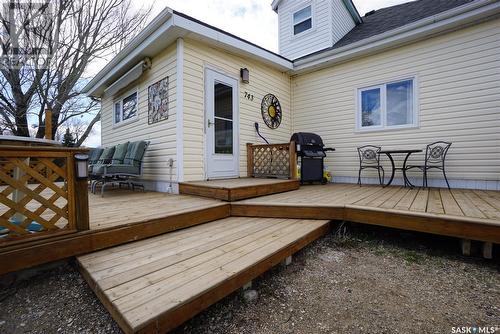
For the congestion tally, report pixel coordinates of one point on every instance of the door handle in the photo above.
(210, 123)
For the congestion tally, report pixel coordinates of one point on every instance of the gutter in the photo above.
(478, 10)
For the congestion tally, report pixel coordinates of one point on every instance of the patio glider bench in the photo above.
(118, 165)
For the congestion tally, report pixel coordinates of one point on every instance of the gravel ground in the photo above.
(357, 280)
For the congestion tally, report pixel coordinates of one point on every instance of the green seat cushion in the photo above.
(116, 169)
(119, 154)
(107, 155)
(95, 154)
(135, 153)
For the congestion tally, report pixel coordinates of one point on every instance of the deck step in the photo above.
(237, 189)
(154, 285)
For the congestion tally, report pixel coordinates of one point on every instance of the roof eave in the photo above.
(177, 25)
(132, 46)
(275, 4)
(453, 18)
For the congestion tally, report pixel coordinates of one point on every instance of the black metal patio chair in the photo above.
(435, 157)
(369, 157)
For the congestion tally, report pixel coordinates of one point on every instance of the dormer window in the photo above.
(302, 20)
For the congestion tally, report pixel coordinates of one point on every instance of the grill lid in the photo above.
(307, 138)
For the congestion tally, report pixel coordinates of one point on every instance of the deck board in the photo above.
(140, 295)
(123, 207)
(237, 189)
(463, 213)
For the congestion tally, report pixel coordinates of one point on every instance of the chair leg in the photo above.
(359, 177)
(379, 178)
(446, 179)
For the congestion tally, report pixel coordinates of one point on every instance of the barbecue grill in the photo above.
(311, 150)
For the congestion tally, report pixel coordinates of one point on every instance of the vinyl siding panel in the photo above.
(263, 80)
(458, 83)
(162, 135)
(341, 20)
(331, 21)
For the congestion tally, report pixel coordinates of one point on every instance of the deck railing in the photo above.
(272, 160)
(40, 195)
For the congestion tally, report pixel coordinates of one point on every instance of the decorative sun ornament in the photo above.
(271, 111)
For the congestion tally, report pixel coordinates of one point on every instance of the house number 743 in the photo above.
(249, 96)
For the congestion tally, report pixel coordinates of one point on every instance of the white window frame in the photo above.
(293, 24)
(383, 107)
(120, 100)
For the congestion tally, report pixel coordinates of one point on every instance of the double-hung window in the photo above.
(125, 109)
(302, 20)
(387, 106)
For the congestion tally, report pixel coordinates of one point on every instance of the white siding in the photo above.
(263, 80)
(162, 134)
(342, 21)
(458, 80)
(331, 21)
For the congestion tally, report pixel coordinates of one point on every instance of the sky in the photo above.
(253, 20)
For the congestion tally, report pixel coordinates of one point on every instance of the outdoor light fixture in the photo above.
(245, 75)
(82, 163)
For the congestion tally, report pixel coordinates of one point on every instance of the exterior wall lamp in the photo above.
(82, 163)
(245, 75)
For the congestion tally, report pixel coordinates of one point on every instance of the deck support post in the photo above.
(466, 247)
(487, 249)
(287, 261)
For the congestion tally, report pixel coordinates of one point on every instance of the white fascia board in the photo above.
(232, 43)
(275, 4)
(451, 19)
(133, 49)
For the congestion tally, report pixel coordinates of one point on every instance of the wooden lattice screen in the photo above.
(272, 160)
(38, 193)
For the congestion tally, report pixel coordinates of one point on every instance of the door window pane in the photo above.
(223, 101)
(370, 107)
(223, 136)
(400, 103)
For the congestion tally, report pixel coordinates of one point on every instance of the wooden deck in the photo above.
(156, 284)
(237, 189)
(118, 217)
(470, 214)
(124, 207)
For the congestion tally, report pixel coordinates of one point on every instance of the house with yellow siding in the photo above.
(430, 69)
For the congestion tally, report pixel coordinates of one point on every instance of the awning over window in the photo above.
(133, 74)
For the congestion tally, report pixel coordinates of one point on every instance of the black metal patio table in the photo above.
(389, 154)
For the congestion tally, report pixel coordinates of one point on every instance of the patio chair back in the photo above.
(369, 155)
(435, 153)
(107, 155)
(135, 153)
(94, 155)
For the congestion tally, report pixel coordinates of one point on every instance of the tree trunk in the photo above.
(84, 136)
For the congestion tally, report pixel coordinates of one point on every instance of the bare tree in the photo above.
(78, 32)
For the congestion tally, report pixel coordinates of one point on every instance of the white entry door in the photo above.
(221, 125)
